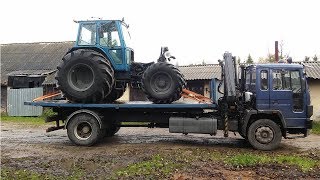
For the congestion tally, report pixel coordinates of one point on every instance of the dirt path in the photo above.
(25, 147)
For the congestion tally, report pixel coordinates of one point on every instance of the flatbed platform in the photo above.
(124, 105)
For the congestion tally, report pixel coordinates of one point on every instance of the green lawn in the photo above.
(28, 120)
(316, 127)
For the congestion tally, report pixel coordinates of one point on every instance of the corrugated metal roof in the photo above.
(32, 57)
(312, 69)
(210, 71)
(201, 72)
(39, 58)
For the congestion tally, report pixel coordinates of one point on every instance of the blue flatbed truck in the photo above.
(267, 102)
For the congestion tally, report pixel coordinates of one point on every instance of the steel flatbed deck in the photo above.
(124, 105)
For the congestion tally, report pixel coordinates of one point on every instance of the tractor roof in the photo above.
(101, 21)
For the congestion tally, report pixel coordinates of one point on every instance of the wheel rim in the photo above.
(264, 134)
(83, 131)
(81, 77)
(161, 82)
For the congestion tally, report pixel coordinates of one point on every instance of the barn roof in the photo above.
(201, 72)
(43, 58)
(312, 69)
(210, 71)
(31, 58)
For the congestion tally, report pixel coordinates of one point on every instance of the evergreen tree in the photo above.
(306, 58)
(249, 60)
(315, 58)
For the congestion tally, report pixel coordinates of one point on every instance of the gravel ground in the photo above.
(31, 148)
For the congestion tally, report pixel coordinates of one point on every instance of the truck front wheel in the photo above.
(264, 134)
(83, 129)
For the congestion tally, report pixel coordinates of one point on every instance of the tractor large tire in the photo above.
(163, 83)
(116, 93)
(85, 76)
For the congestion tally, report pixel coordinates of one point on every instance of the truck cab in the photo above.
(280, 90)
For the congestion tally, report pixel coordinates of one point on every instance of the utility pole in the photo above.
(276, 53)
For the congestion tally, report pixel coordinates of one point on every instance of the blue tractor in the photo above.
(101, 65)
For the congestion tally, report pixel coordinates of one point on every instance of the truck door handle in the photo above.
(274, 102)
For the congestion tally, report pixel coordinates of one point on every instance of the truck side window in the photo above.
(295, 86)
(295, 82)
(264, 79)
(276, 80)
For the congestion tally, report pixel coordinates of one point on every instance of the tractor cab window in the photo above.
(87, 34)
(126, 36)
(109, 35)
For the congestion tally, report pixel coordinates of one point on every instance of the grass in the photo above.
(157, 165)
(249, 159)
(28, 120)
(163, 165)
(7, 173)
(316, 127)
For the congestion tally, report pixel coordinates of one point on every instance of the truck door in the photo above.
(286, 95)
(263, 89)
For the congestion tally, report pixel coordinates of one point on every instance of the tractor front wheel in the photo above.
(163, 83)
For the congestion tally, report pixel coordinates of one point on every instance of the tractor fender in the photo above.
(94, 48)
(86, 111)
(249, 113)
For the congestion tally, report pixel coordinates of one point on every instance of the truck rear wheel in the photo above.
(163, 83)
(264, 134)
(85, 76)
(83, 129)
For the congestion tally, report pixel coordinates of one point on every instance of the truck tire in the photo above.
(264, 134)
(116, 93)
(83, 129)
(163, 83)
(85, 76)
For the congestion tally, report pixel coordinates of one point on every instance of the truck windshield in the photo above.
(126, 36)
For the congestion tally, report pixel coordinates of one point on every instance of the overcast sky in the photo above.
(193, 30)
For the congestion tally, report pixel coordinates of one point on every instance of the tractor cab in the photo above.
(109, 37)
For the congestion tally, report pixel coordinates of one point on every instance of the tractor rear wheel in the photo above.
(163, 83)
(85, 76)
